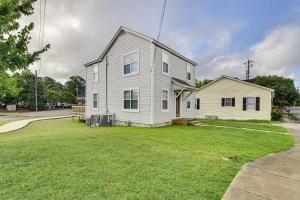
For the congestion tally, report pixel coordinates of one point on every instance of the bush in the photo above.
(276, 114)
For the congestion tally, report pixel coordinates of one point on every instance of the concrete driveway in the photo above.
(38, 114)
(276, 176)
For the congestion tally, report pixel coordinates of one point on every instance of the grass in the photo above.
(60, 159)
(7, 113)
(253, 124)
(2, 123)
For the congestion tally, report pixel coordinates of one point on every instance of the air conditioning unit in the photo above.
(101, 120)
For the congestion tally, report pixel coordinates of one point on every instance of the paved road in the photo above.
(275, 177)
(38, 114)
(295, 111)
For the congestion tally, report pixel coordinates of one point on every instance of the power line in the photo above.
(42, 30)
(161, 19)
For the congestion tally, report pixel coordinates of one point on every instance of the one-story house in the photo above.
(230, 98)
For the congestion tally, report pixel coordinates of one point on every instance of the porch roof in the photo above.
(182, 85)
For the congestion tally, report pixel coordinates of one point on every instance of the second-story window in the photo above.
(131, 63)
(165, 64)
(95, 73)
(188, 72)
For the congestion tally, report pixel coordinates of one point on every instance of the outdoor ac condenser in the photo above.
(101, 120)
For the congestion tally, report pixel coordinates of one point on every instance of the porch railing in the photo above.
(78, 110)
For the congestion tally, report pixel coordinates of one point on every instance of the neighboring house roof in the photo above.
(182, 83)
(237, 80)
(121, 29)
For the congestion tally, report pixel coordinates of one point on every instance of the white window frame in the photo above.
(95, 71)
(188, 71)
(165, 110)
(93, 108)
(165, 61)
(138, 99)
(247, 103)
(229, 101)
(188, 100)
(138, 63)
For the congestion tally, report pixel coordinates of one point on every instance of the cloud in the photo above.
(279, 51)
(276, 54)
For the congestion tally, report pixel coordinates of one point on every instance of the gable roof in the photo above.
(237, 80)
(155, 42)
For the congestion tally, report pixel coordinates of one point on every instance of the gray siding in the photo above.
(125, 43)
(177, 69)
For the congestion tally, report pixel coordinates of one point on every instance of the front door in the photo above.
(178, 106)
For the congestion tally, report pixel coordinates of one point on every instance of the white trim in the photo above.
(95, 66)
(188, 65)
(138, 61)
(153, 41)
(188, 99)
(131, 110)
(162, 63)
(95, 92)
(161, 99)
(234, 79)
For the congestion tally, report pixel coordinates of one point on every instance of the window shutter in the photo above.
(223, 101)
(244, 103)
(233, 102)
(257, 105)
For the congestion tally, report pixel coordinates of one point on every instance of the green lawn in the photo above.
(253, 124)
(61, 159)
(7, 113)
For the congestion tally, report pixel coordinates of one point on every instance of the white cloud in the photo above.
(276, 54)
(279, 51)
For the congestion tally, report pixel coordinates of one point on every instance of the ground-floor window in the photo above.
(95, 100)
(131, 99)
(164, 100)
(188, 104)
(197, 104)
(228, 102)
(251, 103)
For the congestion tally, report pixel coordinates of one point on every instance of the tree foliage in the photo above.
(285, 90)
(14, 39)
(200, 83)
(76, 83)
(8, 86)
(21, 91)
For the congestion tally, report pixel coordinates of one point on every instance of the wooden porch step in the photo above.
(185, 121)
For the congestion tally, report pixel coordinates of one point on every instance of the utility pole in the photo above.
(248, 64)
(35, 83)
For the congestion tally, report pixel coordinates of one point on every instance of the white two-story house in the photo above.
(141, 81)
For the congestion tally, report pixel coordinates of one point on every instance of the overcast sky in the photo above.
(220, 35)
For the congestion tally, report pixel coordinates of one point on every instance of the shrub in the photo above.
(276, 114)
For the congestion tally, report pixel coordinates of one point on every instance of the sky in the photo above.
(220, 35)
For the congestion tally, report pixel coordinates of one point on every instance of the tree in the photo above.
(285, 90)
(200, 83)
(76, 82)
(8, 88)
(14, 40)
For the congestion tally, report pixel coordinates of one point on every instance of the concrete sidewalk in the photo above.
(12, 126)
(275, 176)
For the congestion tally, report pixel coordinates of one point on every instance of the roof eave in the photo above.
(174, 52)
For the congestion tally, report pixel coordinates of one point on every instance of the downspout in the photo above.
(152, 50)
(106, 67)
